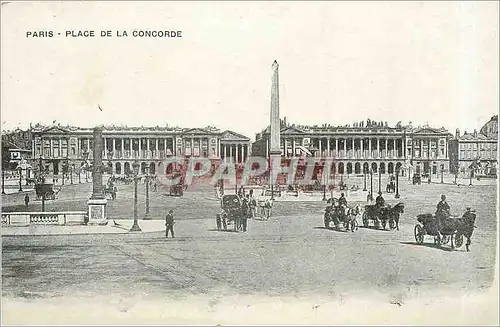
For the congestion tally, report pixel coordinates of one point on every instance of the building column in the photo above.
(237, 152)
(362, 147)
(131, 146)
(60, 148)
(319, 146)
(230, 151)
(337, 147)
(140, 146)
(378, 148)
(267, 148)
(328, 154)
(345, 150)
(294, 144)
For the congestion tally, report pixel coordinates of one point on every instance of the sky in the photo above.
(433, 63)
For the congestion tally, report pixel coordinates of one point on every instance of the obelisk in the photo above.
(274, 144)
(97, 202)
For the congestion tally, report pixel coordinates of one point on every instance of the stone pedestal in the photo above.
(97, 211)
(97, 202)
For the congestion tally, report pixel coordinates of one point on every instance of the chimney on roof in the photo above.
(475, 133)
(457, 133)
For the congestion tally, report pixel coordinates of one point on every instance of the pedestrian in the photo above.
(114, 192)
(26, 200)
(169, 223)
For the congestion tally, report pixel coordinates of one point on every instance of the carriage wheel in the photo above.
(392, 224)
(384, 223)
(458, 240)
(419, 234)
(445, 239)
(365, 219)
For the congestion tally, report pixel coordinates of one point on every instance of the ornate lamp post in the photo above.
(442, 171)
(324, 185)
(63, 172)
(470, 176)
(379, 180)
(71, 173)
(86, 157)
(3, 181)
(135, 226)
(20, 178)
(397, 184)
(147, 192)
(371, 184)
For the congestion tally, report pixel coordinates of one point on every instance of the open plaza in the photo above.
(291, 254)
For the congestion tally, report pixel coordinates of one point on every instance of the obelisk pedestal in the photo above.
(97, 202)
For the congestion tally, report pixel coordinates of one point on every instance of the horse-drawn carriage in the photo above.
(417, 179)
(45, 191)
(233, 211)
(383, 215)
(341, 215)
(176, 190)
(445, 229)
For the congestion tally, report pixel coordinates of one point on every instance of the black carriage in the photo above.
(45, 191)
(177, 190)
(233, 211)
(446, 229)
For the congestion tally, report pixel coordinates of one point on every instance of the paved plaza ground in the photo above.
(226, 277)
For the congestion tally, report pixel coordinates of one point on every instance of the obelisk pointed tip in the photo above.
(275, 64)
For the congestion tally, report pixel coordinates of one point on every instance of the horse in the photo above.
(352, 214)
(265, 208)
(457, 228)
(391, 215)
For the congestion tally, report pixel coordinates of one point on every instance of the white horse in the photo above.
(265, 207)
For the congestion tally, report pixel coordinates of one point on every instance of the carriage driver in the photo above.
(442, 208)
(379, 203)
(342, 200)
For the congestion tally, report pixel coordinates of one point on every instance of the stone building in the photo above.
(364, 146)
(61, 145)
(475, 152)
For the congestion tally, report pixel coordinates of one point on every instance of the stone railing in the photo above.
(43, 218)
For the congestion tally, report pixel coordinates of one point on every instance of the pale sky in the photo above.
(435, 63)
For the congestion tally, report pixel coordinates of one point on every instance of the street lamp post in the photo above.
(470, 177)
(379, 180)
(147, 193)
(442, 171)
(397, 184)
(3, 181)
(71, 174)
(20, 179)
(135, 226)
(371, 184)
(324, 186)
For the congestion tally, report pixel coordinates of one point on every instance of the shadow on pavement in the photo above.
(333, 229)
(428, 245)
(375, 228)
(222, 230)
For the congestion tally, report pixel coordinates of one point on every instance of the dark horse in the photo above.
(392, 214)
(456, 228)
